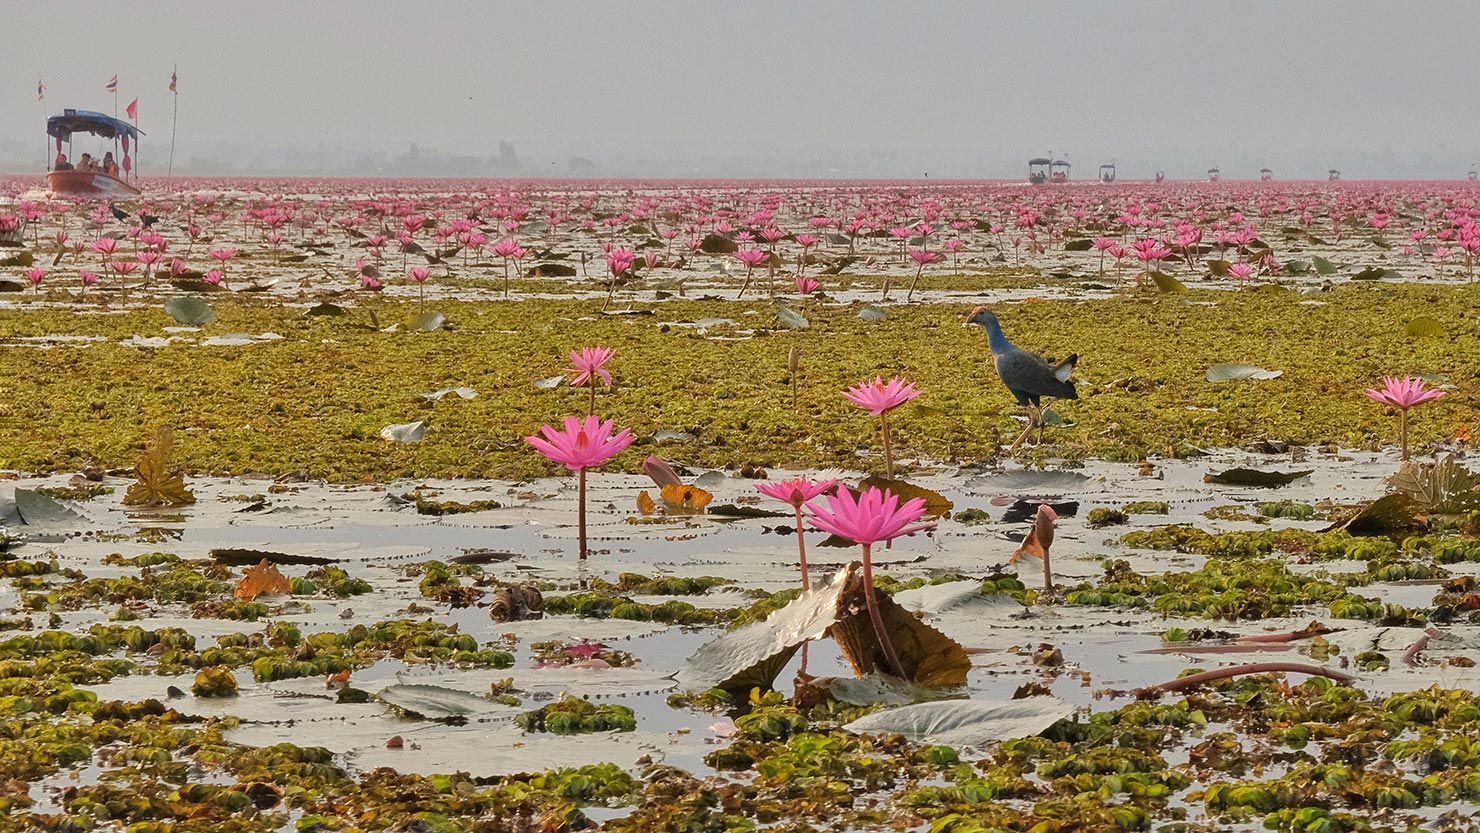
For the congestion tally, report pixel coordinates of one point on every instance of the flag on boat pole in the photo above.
(41, 97)
(174, 122)
(113, 84)
(132, 109)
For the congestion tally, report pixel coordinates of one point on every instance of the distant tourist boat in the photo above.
(1107, 173)
(69, 176)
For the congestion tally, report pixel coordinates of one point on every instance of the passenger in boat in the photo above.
(109, 166)
(85, 163)
(62, 164)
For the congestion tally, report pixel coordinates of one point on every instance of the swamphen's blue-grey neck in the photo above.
(995, 339)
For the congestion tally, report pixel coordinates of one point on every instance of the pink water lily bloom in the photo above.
(35, 275)
(583, 444)
(879, 396)
(753, 257)
(105, 245)
(797, 491)
(223, 255)
(876, 515)
(588, 362)
(806, 285)
(1403, 393)
(419, 274)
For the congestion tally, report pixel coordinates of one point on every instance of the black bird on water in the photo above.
(1028, 376)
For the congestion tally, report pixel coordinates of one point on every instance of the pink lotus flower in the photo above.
(223, 255)
(35, 275)
(1150, 249)
(1403, 394)
(753, 257)
(806, 285)
(419, 274)
(619, 261)
(879, 396)
(876, 515)
(797, 491)
(807, 241)
(922, 258)
(214, 276)
(588, 362)
(87, 278)
(1242, 271)
(584, 444)
(123, 267)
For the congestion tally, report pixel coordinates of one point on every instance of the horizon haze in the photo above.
(767, 89)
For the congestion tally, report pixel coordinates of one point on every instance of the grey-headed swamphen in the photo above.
(1028, 376)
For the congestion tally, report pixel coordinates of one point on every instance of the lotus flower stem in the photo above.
(802, 551)
(581, 513)
(888, 446)
(1403, 432)
(875, 616)
(591, 407)
(1252, 668)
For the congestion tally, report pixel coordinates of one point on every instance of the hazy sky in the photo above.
(1191, 80)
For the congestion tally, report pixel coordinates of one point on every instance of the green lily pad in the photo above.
(192, 312)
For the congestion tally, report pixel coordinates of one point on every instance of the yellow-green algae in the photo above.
(316, 400)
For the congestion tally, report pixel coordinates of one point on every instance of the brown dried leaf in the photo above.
(155, 486)
(645, 503)
(685, 499)
(263, 578)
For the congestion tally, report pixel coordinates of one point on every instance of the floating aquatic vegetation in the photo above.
(574, 716)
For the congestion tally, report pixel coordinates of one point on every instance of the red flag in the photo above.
(40, 91)
(133, 109)
(173, 75)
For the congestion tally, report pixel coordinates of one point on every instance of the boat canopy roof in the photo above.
(86, 121)
(1061, 162)
(1040, 161)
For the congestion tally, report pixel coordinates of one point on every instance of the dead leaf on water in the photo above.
(262, 579)
(685, 499)
(155, 485)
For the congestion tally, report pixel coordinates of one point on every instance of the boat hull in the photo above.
(88, 184)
